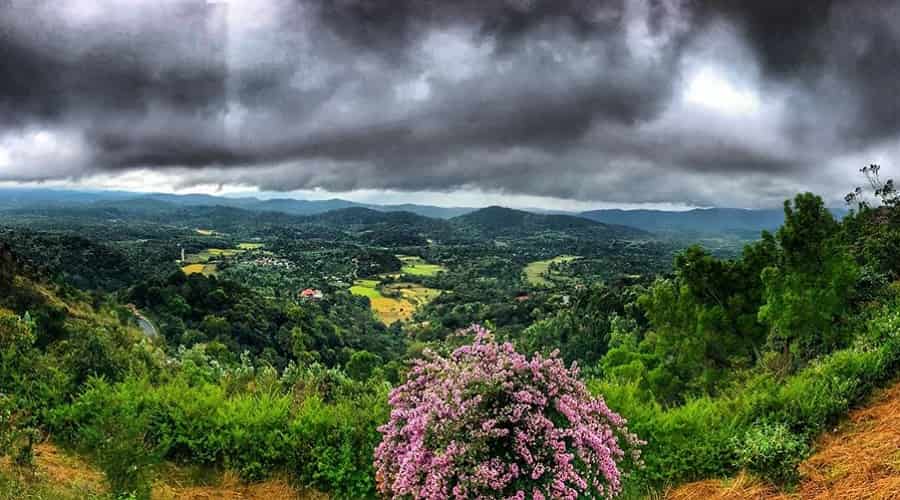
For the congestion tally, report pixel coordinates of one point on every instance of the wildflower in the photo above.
(488, 422)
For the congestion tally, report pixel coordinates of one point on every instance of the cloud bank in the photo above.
(699, 102)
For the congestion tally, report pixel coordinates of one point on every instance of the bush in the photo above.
(488, 422)
(111, 424)
(333, 444)
(771, 451)
(129, 426)
(16, 438)
(695, 441)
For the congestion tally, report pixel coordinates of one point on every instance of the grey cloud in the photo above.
(564, 98)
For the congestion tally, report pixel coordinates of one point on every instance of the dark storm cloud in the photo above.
(567, 98)
(855, 44)
(52, 68)
(397, 24)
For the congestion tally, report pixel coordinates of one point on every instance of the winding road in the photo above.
(146, 325)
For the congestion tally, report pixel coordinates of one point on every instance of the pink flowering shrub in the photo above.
(487, 422)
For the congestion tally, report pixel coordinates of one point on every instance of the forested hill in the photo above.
(378, 227)
(701, 220)
(360, 216)
(499, 221)
(43, 198)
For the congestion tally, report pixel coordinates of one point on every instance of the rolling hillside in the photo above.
(703, 221)
(859, 460)
(506, 222)
(52, 198)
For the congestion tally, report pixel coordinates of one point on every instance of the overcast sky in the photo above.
(560, 103)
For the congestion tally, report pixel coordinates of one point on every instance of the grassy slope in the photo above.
(535, 271)
(389, 309)
(860, 460)
(412, 295)
(58, 475)
(416, 266)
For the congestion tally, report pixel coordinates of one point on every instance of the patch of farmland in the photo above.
(399, 302)
(205, 269)
(538, 273)
(416, 266)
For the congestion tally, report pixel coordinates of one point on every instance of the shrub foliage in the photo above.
(489, 422)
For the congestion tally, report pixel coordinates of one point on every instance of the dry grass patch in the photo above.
(55, 475)
(58, 475)
(231, 488)
(861, 460)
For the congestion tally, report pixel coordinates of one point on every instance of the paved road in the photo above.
(148, 327)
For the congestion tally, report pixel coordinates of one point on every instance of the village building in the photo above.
(311, 294)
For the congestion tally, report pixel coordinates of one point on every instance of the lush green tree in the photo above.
(703, 324)
(362, 365)
(809, 290)
(581, 330)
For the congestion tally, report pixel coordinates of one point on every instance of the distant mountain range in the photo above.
(697, 221)
(486, 222)
(28, 198)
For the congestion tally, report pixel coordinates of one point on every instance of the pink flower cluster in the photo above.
(487, 422)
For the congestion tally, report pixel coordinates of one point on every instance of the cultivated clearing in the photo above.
(538, 272)
(399, 300)
(416, 266)
(205, 261)
(205, 269)
(366, 288)
(402, 301)
(859, 461)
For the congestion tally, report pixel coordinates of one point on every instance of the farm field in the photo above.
(400, 304)
(366, 288)
(221, 252)
(536, 272)
(388, 309)
(414, 293)
(211, 254)
(416, 266)
(205, 269)
(250, 246)
(205, 262)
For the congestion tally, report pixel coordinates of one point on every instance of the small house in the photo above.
(312, 294)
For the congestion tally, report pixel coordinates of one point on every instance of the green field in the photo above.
(366, 288)
(205, 262)
(250, 246)
(414, 293)
(537, 272)
(416, 266)
(392, 309)
(222, 252)
(212, 254)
